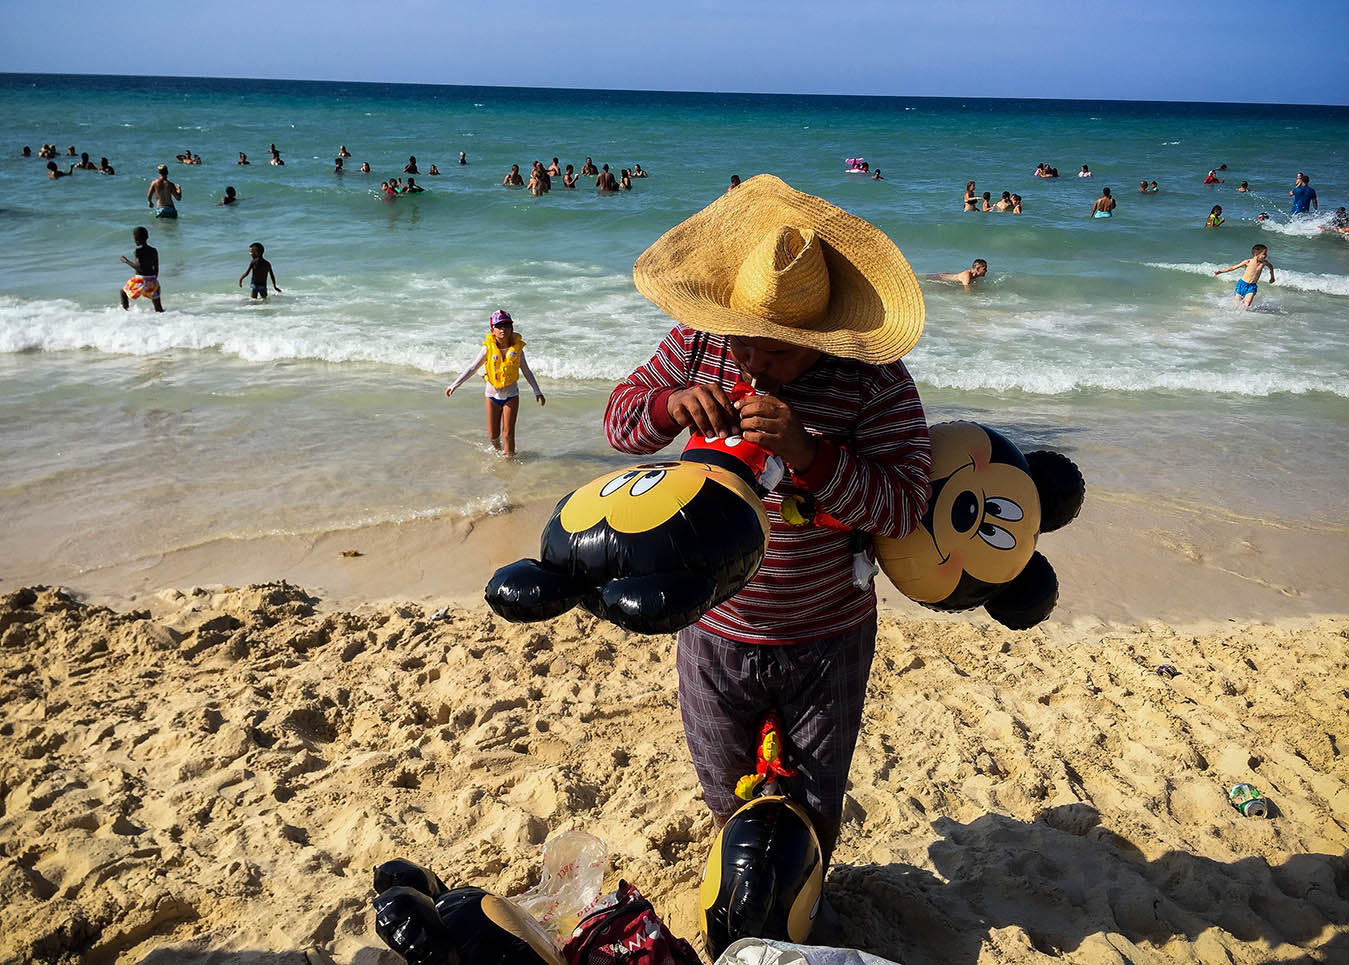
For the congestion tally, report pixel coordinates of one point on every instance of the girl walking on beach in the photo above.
(503, 352)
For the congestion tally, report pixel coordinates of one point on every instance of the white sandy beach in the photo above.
(209, 775)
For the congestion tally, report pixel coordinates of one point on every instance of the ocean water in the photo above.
(124, 434)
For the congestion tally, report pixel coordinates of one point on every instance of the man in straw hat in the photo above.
(815, 307)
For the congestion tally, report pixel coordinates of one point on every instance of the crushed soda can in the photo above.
(1168, 671)
(1247, 799)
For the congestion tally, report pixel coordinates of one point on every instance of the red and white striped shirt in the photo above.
(870, 472)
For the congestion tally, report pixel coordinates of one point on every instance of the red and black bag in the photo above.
(624, 930)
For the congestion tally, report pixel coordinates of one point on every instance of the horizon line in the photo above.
(658, 90)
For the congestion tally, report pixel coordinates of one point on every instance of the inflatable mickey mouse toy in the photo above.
(653, 547)
(976, 546)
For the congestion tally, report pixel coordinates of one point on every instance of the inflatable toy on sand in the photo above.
(764, 876)
(650, 548)
(976, 544)
(428, 924)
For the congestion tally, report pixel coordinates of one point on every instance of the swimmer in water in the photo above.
(1250, 276)
(260, 268)
(1215, 217)
(1104, 205)
(967, 277)
(145, 282)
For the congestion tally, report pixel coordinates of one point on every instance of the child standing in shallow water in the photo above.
(145, 282)
(260, 268)
(503, 352)
(1250, 277)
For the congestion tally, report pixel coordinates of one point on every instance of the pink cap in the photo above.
(500, 317)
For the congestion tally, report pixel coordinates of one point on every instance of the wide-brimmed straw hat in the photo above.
(768, 261)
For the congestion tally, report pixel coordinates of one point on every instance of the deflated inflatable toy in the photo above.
(429, 925)
(976, 545)
(651, 548)
(763, 876)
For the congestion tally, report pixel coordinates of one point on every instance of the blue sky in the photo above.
(1147, 50)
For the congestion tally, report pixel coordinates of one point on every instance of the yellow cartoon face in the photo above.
(986, 519)
(644, 497)
(982, 522)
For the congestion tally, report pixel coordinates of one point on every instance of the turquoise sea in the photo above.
(124, 434)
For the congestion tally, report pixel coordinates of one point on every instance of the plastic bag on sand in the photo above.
(573, 873)
(763, 951)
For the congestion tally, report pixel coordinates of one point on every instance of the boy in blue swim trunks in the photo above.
(1250, 276)
(260, 268)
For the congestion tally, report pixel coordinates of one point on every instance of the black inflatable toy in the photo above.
(651, 548)
(763, 877)
(430, 925)
(977, 542)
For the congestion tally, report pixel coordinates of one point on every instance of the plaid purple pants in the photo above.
(726, 688)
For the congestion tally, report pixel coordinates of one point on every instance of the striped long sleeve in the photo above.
(871, 472)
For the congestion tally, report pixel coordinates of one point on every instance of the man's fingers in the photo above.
(709, 418)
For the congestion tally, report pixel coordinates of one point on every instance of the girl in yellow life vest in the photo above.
(503, 354)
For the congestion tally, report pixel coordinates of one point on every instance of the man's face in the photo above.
(769, 363)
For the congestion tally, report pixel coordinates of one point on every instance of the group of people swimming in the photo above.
(974, 202)
(54, 172)
(541, 178)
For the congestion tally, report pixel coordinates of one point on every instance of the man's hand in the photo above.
(767, 421)
(705, 408)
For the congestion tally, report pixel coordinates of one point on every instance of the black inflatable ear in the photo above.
(662, 603)
(408, 922)
(527, 591)
(1060, 485)
(1029, 598)
(403, 873)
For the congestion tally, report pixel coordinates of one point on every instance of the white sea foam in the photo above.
(1324, 284)
(1128, 354)
(1301, 227)
(1091, 378)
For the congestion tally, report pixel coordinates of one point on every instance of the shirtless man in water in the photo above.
(162, 194)
(967, 277)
